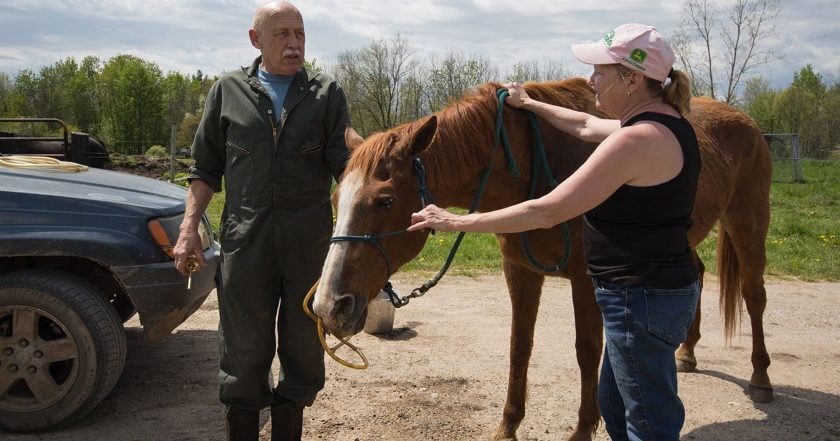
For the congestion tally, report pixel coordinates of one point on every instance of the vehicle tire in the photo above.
(62, 349)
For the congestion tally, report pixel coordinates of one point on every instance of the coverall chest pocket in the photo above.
(311, 147)
(240, 160)
(305, 169)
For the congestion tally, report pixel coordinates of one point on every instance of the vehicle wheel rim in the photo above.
(39, 359)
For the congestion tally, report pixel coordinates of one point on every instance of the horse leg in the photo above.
(748, 243)
(525, 288)
(686, 360)
(761, 390)
(588, 346)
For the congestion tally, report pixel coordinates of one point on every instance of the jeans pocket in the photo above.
(670, 311)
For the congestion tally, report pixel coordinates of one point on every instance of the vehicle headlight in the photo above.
(165, 230)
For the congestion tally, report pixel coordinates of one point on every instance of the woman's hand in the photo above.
(433, 218)
(517, 96)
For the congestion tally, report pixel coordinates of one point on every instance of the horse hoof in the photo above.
(580, 436)
(503, 435)
(761, 394)
(685, 365)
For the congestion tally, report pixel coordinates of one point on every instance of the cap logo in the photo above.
(608, 39)
(638, 56)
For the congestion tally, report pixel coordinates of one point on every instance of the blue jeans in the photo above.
(637, 391)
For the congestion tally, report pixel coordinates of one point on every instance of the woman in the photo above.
(636, 191)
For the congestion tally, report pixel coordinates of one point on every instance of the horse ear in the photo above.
(424, 136)
(352, 139)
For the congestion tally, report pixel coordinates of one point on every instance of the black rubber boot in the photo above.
(286, 422)
(242, 424)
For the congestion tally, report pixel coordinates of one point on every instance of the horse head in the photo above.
(378, 191)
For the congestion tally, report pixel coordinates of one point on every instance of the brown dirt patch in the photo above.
(155, 168)
(442, 374)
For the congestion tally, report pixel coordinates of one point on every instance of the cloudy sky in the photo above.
(211, 35)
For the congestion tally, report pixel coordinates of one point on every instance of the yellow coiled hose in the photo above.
(44, 163)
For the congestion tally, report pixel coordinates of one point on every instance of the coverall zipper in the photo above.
(273, 126)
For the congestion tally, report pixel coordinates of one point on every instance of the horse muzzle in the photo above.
(343, 315)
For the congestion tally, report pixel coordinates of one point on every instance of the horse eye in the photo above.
(386, 201)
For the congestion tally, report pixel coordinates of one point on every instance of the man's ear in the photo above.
(255, 38)
(352, 139)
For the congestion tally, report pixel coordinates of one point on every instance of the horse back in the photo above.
(736, 170)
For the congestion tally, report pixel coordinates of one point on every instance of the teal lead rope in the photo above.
(540, 164)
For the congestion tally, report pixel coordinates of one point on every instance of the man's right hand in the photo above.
(189, 241)
(188, 247)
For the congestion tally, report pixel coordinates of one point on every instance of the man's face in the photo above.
(281, 40)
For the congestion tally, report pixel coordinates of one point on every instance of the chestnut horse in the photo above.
(380, 190)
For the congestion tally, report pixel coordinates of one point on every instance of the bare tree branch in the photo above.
(730, 48)
(749, 28)
(700, 16)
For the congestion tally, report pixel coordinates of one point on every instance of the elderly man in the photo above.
(275, 133)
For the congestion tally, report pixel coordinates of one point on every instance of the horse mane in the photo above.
(369, 155)
(466, 130)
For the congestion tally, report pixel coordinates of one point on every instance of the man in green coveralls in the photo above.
(275, 132)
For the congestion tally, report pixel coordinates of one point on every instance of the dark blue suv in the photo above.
(81, 253)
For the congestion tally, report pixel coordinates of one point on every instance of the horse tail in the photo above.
(729, 274)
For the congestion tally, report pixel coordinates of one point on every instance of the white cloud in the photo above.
(211, 35)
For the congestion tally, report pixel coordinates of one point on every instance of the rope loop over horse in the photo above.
(540, 164)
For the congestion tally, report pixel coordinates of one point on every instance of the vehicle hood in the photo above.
(106, 188)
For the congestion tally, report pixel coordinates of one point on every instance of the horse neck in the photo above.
(461, 152)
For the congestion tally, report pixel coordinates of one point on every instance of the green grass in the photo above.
(214, 209)
(804, 236)
(803, 241)
(478, 253)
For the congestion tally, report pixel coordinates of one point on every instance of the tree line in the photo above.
(131, 104)
(127, 101)
(809, 107)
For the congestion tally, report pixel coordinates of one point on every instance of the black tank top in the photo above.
(638, 236)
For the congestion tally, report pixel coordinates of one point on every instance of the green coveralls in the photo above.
(275, 227)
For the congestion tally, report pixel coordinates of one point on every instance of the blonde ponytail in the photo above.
(677, 92)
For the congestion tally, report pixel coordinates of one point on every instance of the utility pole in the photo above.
(172, 154)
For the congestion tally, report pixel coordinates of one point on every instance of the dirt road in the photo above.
(442, 375)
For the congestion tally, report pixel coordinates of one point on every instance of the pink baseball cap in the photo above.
(633, 45)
